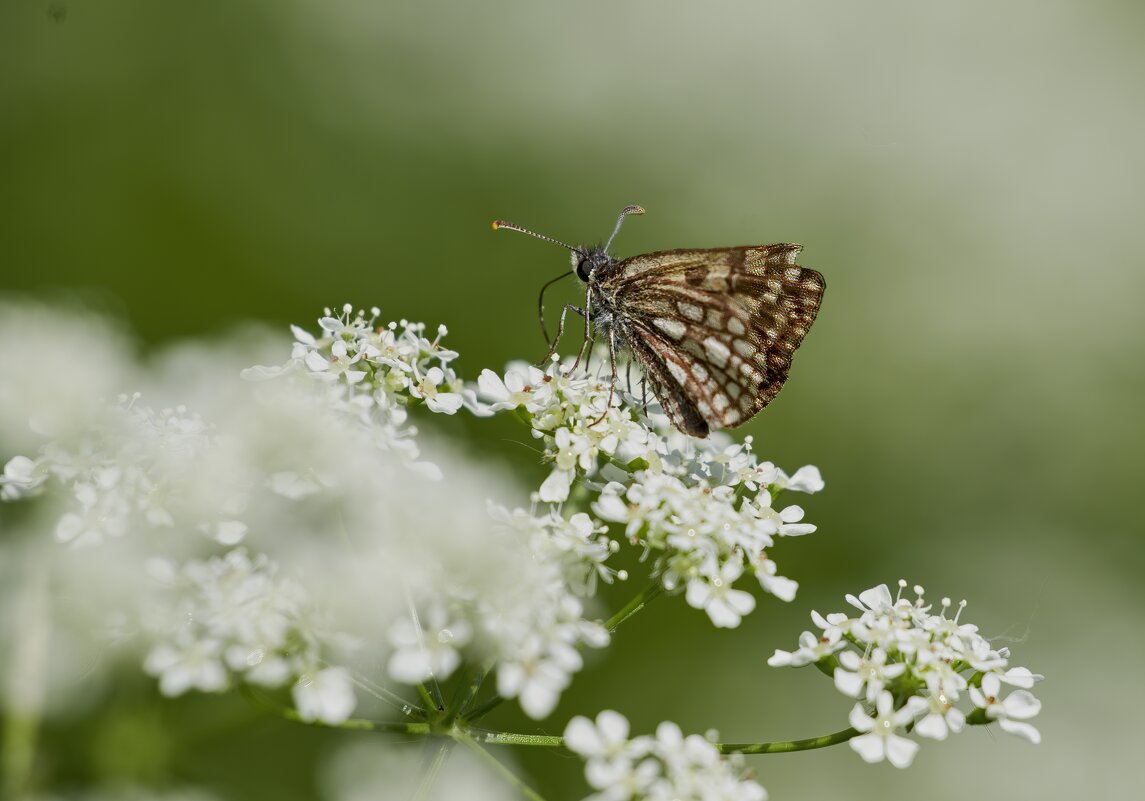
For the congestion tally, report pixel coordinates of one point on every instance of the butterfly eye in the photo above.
(583, 269)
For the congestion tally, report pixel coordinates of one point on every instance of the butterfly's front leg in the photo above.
(612, 381)
(560, 330)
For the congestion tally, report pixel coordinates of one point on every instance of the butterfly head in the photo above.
(586, 261)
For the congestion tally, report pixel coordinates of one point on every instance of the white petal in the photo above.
(848, 683)
(932, 726)
(327, 696)
(860, 720)
(613, 725)
(870, 747)
(555, 488)
(901, 751)
(581, 737)
(303, 336)
(1021, 704)
(1023, 730)
(806, 479)
(780, 658)
(409, 666)
(444, 402)
(698, 594)
(1021, 677)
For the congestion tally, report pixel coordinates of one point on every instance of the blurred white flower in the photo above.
(326, 696)
(665, 766)
(363, 771)
(60, 369)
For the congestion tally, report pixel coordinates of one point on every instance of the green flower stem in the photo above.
(429, 700)
(467, 692)
(785, 746)
(635, 605)
(495, 763)
(358, 724)
(511, 738)
(780, 747)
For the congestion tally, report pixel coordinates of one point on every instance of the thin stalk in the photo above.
(495, 763)
(635, 605)
(785, 746)
(779, 747)
(358, 724)
(510, 738)
(461, 704)
(433, 768)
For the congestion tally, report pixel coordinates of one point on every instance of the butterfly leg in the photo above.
(612, 380)
(587, 332)
(544, 363)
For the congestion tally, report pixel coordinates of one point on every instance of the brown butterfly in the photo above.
(714, 329)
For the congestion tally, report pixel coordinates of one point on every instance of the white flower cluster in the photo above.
(376, 372)
(235, 616)
(702, 508)
(897, 649)
(664, 767)
(300, 469)
(124, 473)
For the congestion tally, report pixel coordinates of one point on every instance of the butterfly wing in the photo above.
(715, 329)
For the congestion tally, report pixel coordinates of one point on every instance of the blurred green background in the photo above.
(970, 178)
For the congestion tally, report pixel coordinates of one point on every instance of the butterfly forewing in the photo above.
(714, 329)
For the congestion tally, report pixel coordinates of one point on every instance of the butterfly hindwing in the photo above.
(715, 328)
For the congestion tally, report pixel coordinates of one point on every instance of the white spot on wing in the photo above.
(717, 351)
(673, 328)
(735, 325)
(744, 348)
(691, 311)
(677, 371)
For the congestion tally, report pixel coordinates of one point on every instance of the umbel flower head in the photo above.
(911, 667)
(295, 531)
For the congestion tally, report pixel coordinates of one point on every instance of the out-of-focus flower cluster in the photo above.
(910, 668)
(702, 510)
(290, 532)
(375, 372)
(661, 767)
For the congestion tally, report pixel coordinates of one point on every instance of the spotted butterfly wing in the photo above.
(714, 329)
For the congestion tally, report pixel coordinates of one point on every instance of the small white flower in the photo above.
(724, 604)
(1011, 711)
(811, 649)
(871, 673)
(22, 478)
(942, 718)
(326, 696)
(429, 650)
(881, 739)
(188, 664)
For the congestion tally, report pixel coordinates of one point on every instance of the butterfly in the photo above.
(713, 329)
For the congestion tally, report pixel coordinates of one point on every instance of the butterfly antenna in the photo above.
(620, 220)
(498, 224)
